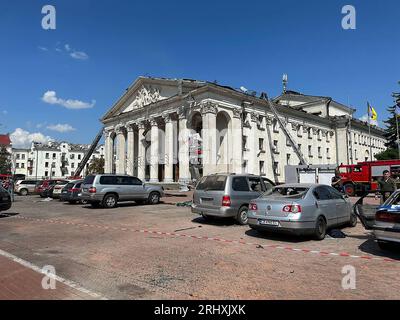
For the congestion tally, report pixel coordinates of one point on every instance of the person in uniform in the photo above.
(386, 186)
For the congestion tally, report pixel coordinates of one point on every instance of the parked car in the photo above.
(387, 222)
(58, 187)
(25, 187)
(72, 192)
(107, 190)
(46, 188)
(228, 195)
(5, 199)
(301, 209)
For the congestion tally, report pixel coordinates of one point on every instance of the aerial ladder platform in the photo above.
(89, 153)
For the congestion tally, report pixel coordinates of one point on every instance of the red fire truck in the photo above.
(364, 176)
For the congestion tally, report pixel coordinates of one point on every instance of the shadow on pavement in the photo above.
(8, 214)
(276, 236)
(219, 222)
(371, 247)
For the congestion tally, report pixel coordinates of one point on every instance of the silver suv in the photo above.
(107, 190)
(228, 195)
(25, 187)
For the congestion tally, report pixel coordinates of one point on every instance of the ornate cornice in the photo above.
(209, 107)
(237, 113)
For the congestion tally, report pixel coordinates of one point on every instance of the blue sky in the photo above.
(100, 47)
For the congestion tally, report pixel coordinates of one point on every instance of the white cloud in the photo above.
(79, 55)
(43, 48)
(61, 127)
(364, 118)
(23, 139)
(5, 112)
(67, 47)
(50, 97)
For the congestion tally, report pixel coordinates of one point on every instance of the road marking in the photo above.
(37, 269)
(270, 246)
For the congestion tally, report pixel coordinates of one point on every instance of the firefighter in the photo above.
(386, 186)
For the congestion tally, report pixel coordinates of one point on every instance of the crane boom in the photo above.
(285, 131)
(88, 153)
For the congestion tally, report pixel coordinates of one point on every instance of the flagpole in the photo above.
(369, 131)
(397, 129)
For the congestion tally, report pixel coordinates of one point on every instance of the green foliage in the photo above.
(96, 166)
(391, 130)
(5, 161)
(388, 154)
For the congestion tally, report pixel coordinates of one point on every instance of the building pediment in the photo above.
(144, 96)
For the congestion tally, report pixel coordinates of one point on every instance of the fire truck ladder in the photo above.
(88, 153)
(285, 131)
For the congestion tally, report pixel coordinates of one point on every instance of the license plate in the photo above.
(269, 223)
(64, 192)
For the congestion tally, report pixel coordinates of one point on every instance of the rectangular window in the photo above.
(18, 156)
(17, 165)
(240, 184)
(245, 165)
(47, 155)
(46, 173)
(22, 165)
(79, 157)
(262, 167)
(276, 150)
(23, 157)
(72, 165)
(310, 151)
(72, 156)
(46, 164)
(288, 158)
(319, 152)
(328, 154)
(275, 126)
(244, 141)
(310, 133)
(276, 168)
(261, 144)
(54, 155)
(288, 144)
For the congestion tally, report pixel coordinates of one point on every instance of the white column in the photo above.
(253, 145)
(141, 152)
(154, 154)
(184, 173)
(121, 154)
(169, 149)
(237, 147)
(130, 147)
(108, 149)
(209, 112)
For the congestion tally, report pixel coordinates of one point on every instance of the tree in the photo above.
(96, 166)
(392, 146)
(5, 161)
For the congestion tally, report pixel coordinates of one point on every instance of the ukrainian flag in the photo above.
(372, 113)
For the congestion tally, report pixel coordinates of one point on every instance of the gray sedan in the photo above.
(301, 209)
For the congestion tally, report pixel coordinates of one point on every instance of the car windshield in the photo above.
(212, 183)
(286, 192)
(69, 185)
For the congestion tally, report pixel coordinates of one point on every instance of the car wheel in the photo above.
(154, 198)
(320, 229)
(353, 220)
(241, 217)
(110, 201)
(23, 192)
(349, 190)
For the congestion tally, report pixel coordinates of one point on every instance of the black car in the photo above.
(5, 199)
(71, 192)
(48, 192)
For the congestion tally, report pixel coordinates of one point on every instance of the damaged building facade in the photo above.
(175, 130)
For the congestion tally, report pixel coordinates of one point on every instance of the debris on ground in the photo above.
(46, 200)
(260, 247)
(335, 233)
(184, 204)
